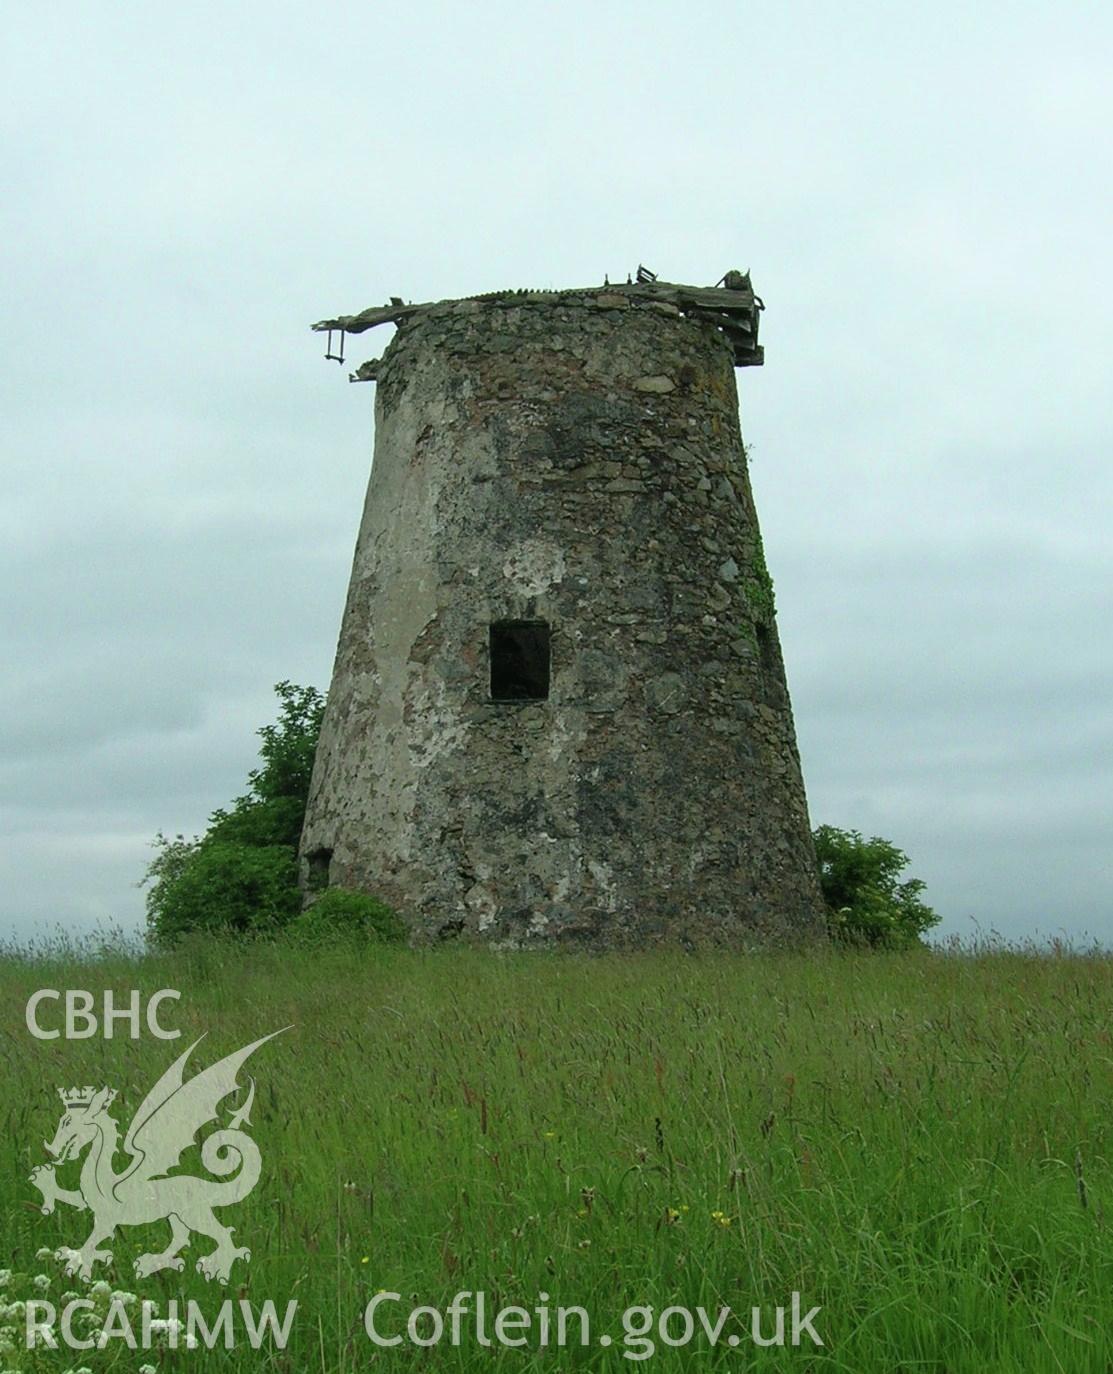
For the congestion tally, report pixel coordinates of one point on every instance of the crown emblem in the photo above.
(82, 1097)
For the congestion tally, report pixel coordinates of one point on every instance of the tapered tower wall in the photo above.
(574, 462)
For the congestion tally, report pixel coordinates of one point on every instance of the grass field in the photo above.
(917, 1144)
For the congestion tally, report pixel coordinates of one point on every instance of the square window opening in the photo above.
(520, 660)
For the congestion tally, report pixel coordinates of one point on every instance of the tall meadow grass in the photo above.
(917, 1143)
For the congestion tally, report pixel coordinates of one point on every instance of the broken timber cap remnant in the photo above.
(732, 307)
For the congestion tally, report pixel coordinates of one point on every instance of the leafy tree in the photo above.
(289, 746)
(866, 901)
(273, 809)
(241, 875)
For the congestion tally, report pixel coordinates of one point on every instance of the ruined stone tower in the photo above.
(558, 709)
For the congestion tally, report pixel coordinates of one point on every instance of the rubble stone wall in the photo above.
(577, 462)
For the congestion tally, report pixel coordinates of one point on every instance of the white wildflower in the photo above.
(147, 1369)
(45, 1252)
(5, 1277)
(124, 1299)
(69, 1295)
(100, 1289)
(172, 1328)
(41, 1282)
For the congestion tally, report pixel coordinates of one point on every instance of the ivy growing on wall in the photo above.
(758, 587)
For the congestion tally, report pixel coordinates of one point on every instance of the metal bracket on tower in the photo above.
(330, 356)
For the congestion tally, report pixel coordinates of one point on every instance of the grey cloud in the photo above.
(915, 195)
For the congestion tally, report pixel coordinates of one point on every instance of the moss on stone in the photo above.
(758, 587)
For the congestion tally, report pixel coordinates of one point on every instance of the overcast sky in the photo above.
(923, 196)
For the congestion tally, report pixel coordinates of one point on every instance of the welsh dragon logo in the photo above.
(163, 1128)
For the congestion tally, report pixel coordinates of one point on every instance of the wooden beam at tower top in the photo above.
(735, 311)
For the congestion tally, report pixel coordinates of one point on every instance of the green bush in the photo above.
(341, 914)
(232, 888)
(241, 875)
(866, 901)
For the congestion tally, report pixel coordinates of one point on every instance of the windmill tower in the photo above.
(558, 710)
